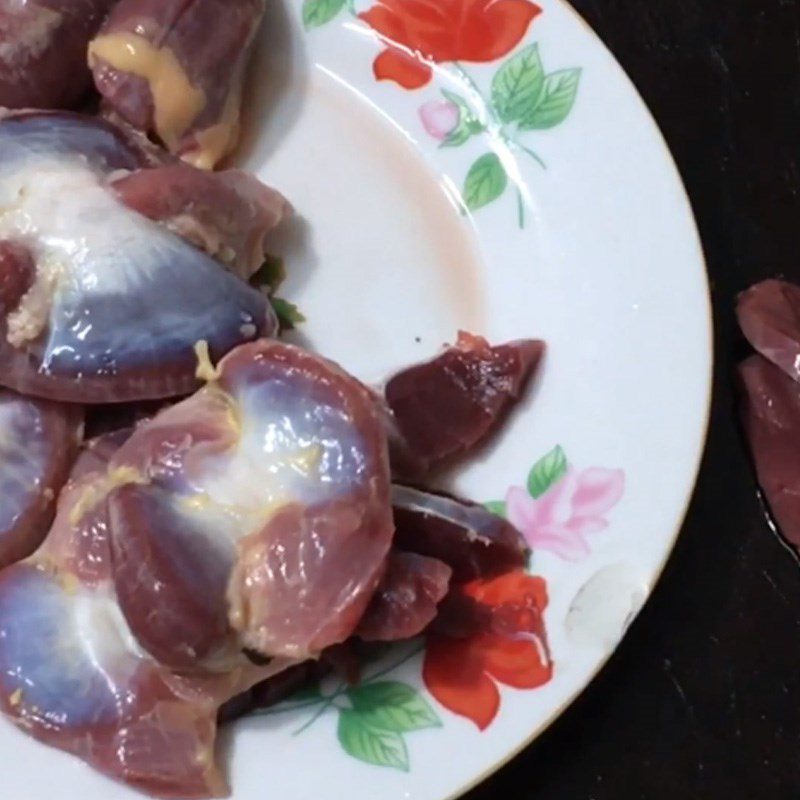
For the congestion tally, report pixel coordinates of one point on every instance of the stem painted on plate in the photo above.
(497, 131)
(330, 700)
(322, 709)
(281, 709)
(522, 148)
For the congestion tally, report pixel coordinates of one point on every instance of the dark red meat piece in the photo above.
(71, 676)
(472, 541)
(43, 51)
(176, 68)
(446, 408)
(227, 214)
(38, 443)
(769, 315)
(405, 601)
(771, 416)
(259, 506)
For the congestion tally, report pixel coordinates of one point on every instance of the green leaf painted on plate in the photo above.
(468, 123)
(546, 471)
(517, 85)
(378, 746)
(485, 182)
(392, 706)
(289, 316)
(496, 507)
(320, 12)
(555, 101)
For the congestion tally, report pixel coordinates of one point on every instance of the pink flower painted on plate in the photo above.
(571, 508)
(439, 118)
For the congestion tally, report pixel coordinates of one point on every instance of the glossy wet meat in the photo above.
(72, 675)
(771, 417)
(472, 541)
(769, 315)
(43, 51)
(115, 303)
(446, 408)
(406, 599)
(170, 68)
(38, 442)
(227, 214)
(254, 514)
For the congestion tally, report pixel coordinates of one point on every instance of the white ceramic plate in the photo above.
(596, 252)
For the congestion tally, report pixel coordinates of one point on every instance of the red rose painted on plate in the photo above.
(420, 32)
(463, 674)
(416, 35)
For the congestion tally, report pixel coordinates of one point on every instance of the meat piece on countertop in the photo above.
(112, 303)
(446, 408)
(169, 67)
(769, 316)
(771, 418)
(467, 537)
(43, 51)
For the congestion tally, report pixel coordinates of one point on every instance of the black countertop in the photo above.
(702, 699)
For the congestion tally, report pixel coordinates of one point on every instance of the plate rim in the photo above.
(694, 472)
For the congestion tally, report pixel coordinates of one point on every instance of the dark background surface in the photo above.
(702, 699)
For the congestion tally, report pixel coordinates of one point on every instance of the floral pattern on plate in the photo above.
(560, 506)
(556, 509)
(418, 36)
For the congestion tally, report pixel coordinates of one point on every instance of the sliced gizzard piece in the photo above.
(472, 541)
(101, 304)
(169, 68)
(446, 408)
(38, 442)
(406, 599)
(73, 675)
(227, 214)
(255, 514)
(43, 51)
(771, 419)
(769, 316)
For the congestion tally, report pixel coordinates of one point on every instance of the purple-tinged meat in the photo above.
(43, 51)
(446, 408)
(259, 507)
(472, 541)
(769, 315)
(38, 442)
(115, 303)
(227, 214)
(405, 601)
(771, 416)
(73, 676)
(176, 69)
